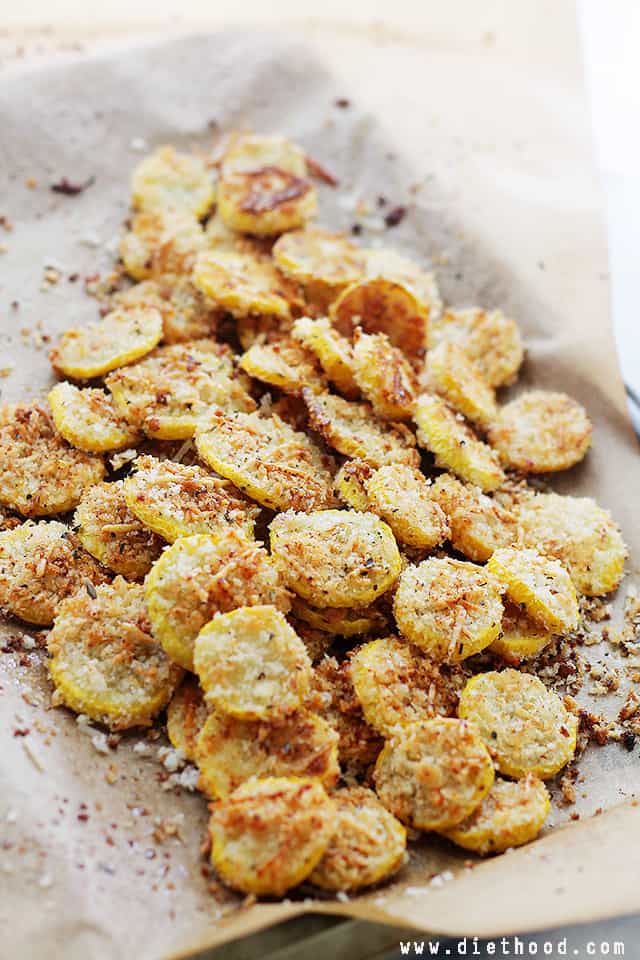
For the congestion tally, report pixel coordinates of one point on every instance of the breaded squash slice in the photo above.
(242, 283)
(334, 699)
(451, 374)
(325, 263)
(478, 524)
(368, 844)
(120, 338)
(264, 188)
(384, 375)
(520, 636)
(491, 340)
(335, 558)
(431, 775)
(161, 243)
(525, 726)
(168, 180)
(88, 420)
(353, 430)
(112, 534)
(541, 586)
(186, 716)
(230, 751)
(343, 622)
(268, 460)
(251, 663)
(172, 391)
(176, 500)
(350, 484)
(578, 533)
(402, 496)
(287, 365)
(186, 313)
(541, 432)
(270, 834)
(40, 565)
(388, 263)
(396, 684)
(40, 473)
(199, 576)
(511, 814)
(449, 608)
(105, 663)
(334, 352)
(454, 445)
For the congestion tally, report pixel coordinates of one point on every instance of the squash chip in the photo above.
(333, 351)
(491, 340)
(186, 313)
(520, 636)
(341, 622)
(169, 180)
(402, 496)
(323, 261)
(540, 585)
(161, 243)
(384, 376)
(243, 283)
(350, 484)
(120, 338)
(186, 716)
(287, 365)
(479, 524)
(88, 420)
(450, 373)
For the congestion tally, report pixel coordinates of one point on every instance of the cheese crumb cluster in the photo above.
(306, 545)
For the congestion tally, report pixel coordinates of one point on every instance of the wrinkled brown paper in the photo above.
(483, 109)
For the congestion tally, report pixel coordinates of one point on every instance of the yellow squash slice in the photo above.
(402, 496)
(455, 377)
(88, 420)
(541, 586)
(170, 180)
(491, 340)
(334, 352)
(384, 375)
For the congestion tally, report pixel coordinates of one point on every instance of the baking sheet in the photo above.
(478, 124)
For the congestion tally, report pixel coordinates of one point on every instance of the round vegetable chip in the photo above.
(387, 263)
(396, 684)
(541, 432)
(328, 262)
(230, 751)
(287, 365)
(112, 534)
(520, 636)
(105, 663)
(351, 484)
(251, 664)
(242, 283)
(169, 393)
(333, 351)
(264, 188)
(344, 622)
(176, 500)
(170, 180)
(269, 834)
(526, 726)
(335, 558)
(368, 844)
(40, 565)
(433, 774)
(478, 524)
(540, 585)
(578, 533)
(200, 576)
(491, 341)
(268, 460)
(353, 430)
(402, 496)
(451, 373)
(88, 420)
(383, 374)
(186, 716)
(186, 313)
(512, 813)
(161, 243)
(449, 608)
(40, 473)
(119, 338)
(454, 445)
(333, 697)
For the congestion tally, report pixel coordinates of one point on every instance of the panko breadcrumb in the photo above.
(268, 460)
(199, 576)
(525, 726)
(541, 432)
(402, 496)
(177, 500)
(120, 338)
(491, 340)
(368, 843)
(40, 565)
(104, 661)
(270, 834)
(88, 420)
(384, 375)
(451, 609)
(353, 430)
(540, 585)
(186, 716)
(40, 473)
(334, 557)
(252, 664)
(230, 751)
(112, 534)
(511, 814)
(433, 774)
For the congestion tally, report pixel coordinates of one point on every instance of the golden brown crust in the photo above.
(490, 339)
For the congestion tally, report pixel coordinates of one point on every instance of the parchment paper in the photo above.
(484, 111)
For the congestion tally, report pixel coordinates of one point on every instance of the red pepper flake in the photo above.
(82, 817)
(317, 170)
(395, 216)
(342, 103)
(70, 189)
(21, 732)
